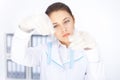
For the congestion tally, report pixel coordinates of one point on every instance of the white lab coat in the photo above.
(55, 61)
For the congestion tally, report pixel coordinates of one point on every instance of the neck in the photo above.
(66, 43)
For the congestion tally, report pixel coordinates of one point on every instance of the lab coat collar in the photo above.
(57, 59)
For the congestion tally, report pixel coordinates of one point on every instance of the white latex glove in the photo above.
(81, 40)
(40, 23)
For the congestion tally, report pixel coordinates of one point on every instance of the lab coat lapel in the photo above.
(57, 59)
(77, 55)
(55, 56)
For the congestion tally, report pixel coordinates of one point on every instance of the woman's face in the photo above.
(63, 24)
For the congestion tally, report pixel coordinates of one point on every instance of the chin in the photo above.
(66, 40)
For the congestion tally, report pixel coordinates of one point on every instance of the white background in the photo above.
(101, 18)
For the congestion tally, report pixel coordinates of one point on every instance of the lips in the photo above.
(66, 34)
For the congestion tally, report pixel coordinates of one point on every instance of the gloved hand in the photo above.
(40, 23)
(81, 40)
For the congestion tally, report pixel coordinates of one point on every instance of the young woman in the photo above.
(69, 55)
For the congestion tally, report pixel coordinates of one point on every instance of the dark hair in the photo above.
(56, 7)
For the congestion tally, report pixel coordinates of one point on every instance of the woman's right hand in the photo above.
(40, 23)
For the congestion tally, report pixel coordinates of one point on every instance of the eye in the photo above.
(55, 26)
(66, 21)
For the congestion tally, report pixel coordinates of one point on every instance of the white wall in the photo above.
(99, 17)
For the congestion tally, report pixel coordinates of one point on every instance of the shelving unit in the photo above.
(15, 71)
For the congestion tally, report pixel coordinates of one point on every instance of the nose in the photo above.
(63, 28)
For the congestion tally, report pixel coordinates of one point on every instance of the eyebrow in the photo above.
(63, 20)
(55, 23)
(66, 18)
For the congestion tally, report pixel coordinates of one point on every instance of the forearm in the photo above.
(95, 70)
(19, 45)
